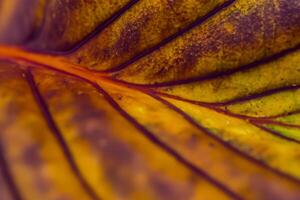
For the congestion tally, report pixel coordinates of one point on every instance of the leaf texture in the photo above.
(150, 99)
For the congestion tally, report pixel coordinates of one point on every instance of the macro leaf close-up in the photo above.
(149, 99)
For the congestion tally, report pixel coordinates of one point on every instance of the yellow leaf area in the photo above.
(152, 99)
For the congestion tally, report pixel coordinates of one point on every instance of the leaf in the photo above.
(150, 99)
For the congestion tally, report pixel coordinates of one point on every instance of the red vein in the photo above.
(5, 169)
(254, 120)
(259, 95)
(154, 139)
(275, 133)
(58, 136)
(216, 107)
(94, 33)
(216, 138)
(272, 122)
(285, 114)
(215, 75)
(169, 39)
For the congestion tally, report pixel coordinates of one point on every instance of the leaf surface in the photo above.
(150, 100)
